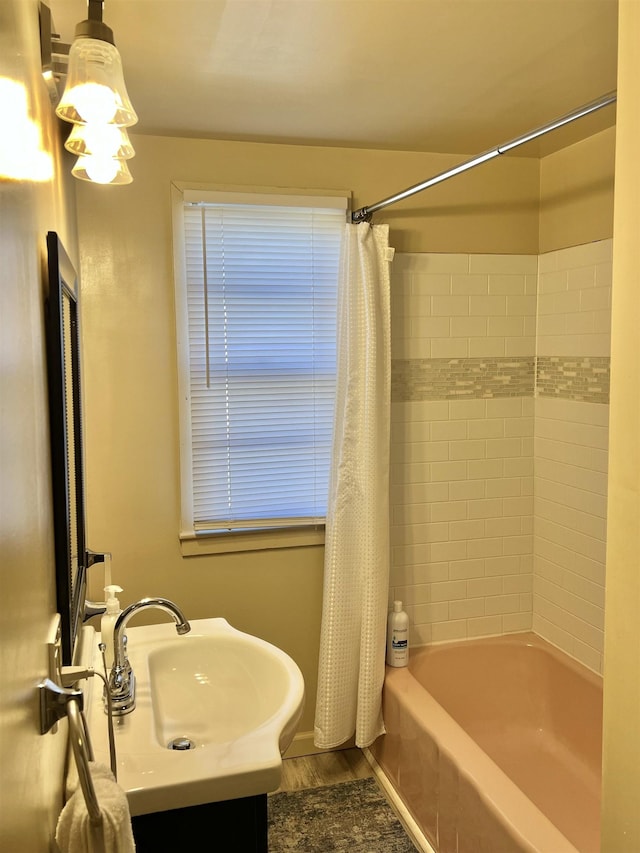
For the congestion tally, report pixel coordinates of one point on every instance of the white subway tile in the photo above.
(480, 587)
(517, 545)
(469, 284)
(517, 584)
(449, 430)
(450, 306)
(502, 604)
(435, 283)
(515, 622)
(429, 613)
(465, 569)
(568, 302)
(449, 348)
(484, 626)
(448, 471)
(488, 306)
(467, 409)
(466, 490)
(596, 299)
(503, 526)
(449, 511)
(505, 407)
(467, 608)
(552, 282)
(448, 591)
(466, 327)
(520, 346)
(486, 428)
(441, 551)
(501, 447)
(604, 274)
(470, 449)
(506, 284)
(485, 547)
(486, 347)
(505, 327)
(522, 304)
(443, 632)
(509, 565)
(486, 469)
(486, 508)
(503, 487)
(468, 529)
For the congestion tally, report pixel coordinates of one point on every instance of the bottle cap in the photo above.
(113, 605)
(397, 606)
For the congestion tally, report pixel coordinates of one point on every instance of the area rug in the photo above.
(351, 816)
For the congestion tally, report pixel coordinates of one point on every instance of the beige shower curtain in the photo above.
(356, 572)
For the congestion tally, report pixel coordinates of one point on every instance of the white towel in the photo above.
(76, 834)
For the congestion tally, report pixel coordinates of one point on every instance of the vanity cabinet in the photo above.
(237, 826)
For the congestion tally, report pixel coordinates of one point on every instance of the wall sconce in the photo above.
(96, 102)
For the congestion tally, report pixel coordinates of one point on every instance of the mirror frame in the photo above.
(66, 428)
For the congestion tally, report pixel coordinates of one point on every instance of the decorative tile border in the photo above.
(461, 378)
(583, 378)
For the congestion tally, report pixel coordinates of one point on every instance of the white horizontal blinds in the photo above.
(261, 292)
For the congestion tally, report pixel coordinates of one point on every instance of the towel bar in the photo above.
(55, 703)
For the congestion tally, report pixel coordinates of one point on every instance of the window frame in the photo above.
(197, 542)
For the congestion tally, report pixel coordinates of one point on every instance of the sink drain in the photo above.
(181, 743)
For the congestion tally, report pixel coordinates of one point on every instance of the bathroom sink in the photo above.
(215, 710)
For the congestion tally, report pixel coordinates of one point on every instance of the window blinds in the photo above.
(261, 301)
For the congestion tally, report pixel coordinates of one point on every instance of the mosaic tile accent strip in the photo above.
(419, 379)
(583, 378)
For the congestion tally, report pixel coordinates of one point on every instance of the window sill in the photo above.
(250, 540)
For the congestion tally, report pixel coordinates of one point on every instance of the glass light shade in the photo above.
(104, 140)
(101, 170)
(95, 89)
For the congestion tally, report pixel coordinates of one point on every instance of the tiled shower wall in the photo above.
(464, 556)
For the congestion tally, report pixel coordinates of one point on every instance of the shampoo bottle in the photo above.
(109, 620)
(398, 636)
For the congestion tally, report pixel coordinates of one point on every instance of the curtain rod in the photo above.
(364, 213)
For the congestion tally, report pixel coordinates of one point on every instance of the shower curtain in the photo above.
(356, 569)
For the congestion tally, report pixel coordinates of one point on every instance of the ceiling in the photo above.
(457, 76)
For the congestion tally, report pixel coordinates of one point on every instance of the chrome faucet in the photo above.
(122, 682)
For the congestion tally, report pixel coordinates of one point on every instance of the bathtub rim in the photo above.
(522, 819)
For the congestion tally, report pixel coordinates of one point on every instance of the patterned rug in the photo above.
(351, 816)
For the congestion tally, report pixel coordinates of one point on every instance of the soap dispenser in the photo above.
(108, 621)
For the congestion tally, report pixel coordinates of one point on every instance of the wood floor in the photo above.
(325, 768)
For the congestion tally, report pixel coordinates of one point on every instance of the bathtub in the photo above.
(494, 746)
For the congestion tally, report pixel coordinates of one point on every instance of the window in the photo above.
(257, 340)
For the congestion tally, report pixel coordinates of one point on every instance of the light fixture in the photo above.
(101, 140)
(95, 89)
(96, 102)
(101, 170)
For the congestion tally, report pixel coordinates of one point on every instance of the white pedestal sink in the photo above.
(234, 699)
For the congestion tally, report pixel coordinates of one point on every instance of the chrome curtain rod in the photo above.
(365, 213)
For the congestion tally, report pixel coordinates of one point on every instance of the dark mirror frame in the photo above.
(66, 426)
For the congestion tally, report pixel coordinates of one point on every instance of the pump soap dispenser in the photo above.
(108, 621)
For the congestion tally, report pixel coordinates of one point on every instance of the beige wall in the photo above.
(32, 764)
(621, 817)
(576, 193)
